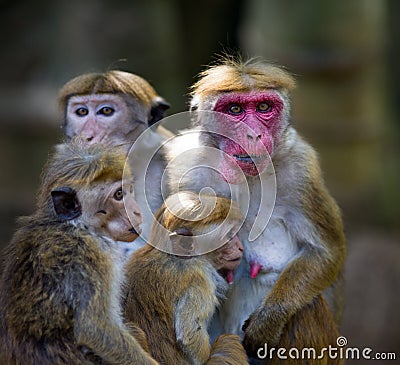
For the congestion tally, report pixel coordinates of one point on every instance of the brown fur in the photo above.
(311, 327)
(60, 285)
(163, 289)
(227, 350)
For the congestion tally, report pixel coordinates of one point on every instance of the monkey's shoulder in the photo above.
(41, 246)
(296, 159)
(53, 267)
(155, 266)
(302, 190)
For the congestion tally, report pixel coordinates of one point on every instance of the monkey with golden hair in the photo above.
(172, 291)
(242, 110)
(60, 287)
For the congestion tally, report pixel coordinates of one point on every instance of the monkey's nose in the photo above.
(138, 216)
(238, 243)
(252, 137)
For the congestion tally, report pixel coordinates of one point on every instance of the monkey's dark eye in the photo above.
(263, 107)
(106, 110)
(81, 112)
(235, 109)
(118, 195)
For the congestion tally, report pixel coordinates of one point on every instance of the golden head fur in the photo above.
(110, 82)
(190, 209)
(198, 213)
(234, 75)
(77, 164)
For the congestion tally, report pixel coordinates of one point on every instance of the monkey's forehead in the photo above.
(224, 78)
(251, 96)
(107, 97)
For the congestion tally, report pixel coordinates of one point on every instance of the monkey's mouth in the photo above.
(250, 159)
(231, 264)
(135, 230)
(228, 275)
(235, 259)
(237, 159)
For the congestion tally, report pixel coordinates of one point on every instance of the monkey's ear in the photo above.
(66, 203)
(158, 108)
(182, 241)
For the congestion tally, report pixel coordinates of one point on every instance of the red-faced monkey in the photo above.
(60, 288)
(243, 110)
(116, 108)
(171, 297)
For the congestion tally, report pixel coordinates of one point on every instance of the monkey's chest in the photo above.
(271, 251)
(262, 263)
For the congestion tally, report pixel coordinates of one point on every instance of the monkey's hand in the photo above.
(264, 326)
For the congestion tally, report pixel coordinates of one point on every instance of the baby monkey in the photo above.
(60, 288)
(172, 291)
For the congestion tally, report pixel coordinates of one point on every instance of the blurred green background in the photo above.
(345, 55)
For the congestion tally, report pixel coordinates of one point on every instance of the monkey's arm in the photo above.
(112, 342)
(311, 327)
(139, 335)
(315, 268)
(191, 315)
(228, 350)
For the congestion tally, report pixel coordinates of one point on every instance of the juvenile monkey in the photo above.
(171, 297)
(116, 108)
(243, 111)
(60, 288)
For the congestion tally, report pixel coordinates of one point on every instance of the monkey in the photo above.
(115, 108)
(60, 287)
(241, 109)
(172, 293)
(112, 107)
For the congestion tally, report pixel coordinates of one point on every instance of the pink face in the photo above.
(104, 118)
(251, 123)
(226, 259)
